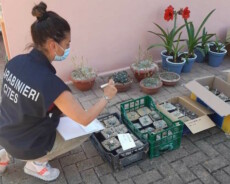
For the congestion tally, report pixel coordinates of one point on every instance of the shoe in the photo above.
(4, 160)
(41, 170)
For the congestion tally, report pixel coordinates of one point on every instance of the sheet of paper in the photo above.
(126, 141)
(94, 126)
(70, 129)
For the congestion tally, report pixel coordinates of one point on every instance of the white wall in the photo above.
(106, 32)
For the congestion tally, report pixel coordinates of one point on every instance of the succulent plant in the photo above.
(220, 94)
(151, 82)
(169, 76)
(132, 116)
(121, 77)
(168, 106)
(145, 120)
(137, 125)
(111, 144)
(223, 97)
(183, 113)
(121, 129)
(160, 124)
(109, 132)
(113, 121)
(154, 115)
(177, 114)
(144, 61)
(143, 111)
(215, 91)
(144, 64)
(81, 71)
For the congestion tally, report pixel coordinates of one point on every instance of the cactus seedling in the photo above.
(121, 77)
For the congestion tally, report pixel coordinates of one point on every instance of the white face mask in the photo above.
(64, 56)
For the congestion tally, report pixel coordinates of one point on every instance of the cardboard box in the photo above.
(199, 93)
(228, 75)
(199, 124)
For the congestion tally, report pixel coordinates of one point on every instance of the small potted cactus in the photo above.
(83, 77)
(168, 106)
(111, 122)
(109, 132)
(151, 85)
(154, 115)
(121, 129)
(160, 124)
(111, 144)
(132, 116)
(144, 66)
(145, 121)
(143, 111)
(122, 81)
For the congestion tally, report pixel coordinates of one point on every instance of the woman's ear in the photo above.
(51, 47)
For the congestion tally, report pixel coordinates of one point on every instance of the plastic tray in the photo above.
(160, 142)
(119, 161)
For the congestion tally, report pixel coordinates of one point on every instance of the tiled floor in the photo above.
(202, 158)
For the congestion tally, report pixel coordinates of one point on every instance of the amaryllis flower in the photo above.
(169, 12)
(186, 13)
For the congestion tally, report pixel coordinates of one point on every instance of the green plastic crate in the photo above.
(168, 139)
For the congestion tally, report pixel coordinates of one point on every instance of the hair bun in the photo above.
(39, 10)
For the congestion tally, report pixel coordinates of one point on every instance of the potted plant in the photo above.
(122, 81)
(144, 66)
(151, 85)
(83, 77)
(167, 37)
(193, 38)
(175, 63)
(201, 49)
(169, 78)
(216, 53)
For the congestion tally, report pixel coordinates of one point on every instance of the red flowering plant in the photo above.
(168, 37)
(193, 37)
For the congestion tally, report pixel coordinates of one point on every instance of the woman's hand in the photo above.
(110, 91)
(71, 108)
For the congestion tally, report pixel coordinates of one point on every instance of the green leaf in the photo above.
(158, 34)
(209, 36)
(162, 30)
(192, 31)
(161, 36)
(180, 48)
(204, 21)
(156, 45)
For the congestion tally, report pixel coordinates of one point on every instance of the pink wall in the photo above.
(108, 33)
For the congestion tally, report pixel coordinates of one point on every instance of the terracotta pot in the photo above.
(83, 85)
(141, 74)
(169, 82)
(150, 90)
(123, 87)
